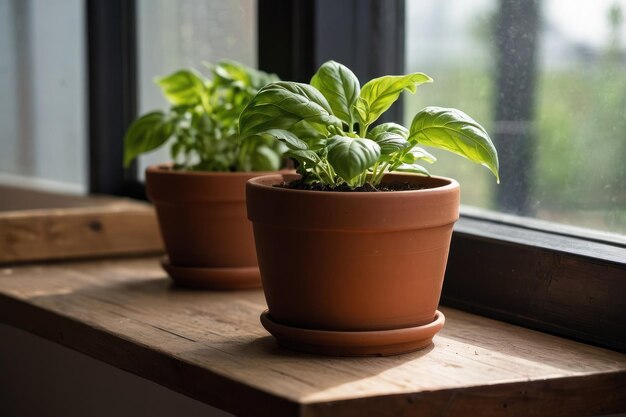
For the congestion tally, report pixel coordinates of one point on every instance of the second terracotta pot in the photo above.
(353, 262)
(207, 236)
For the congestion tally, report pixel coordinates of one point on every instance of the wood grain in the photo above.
(564, 285)
(211, 346)
(100, 227)
(18, 199)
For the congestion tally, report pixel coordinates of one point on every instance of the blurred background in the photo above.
(547, 78)
(548, 81)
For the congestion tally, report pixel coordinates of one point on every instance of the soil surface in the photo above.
(367, 188)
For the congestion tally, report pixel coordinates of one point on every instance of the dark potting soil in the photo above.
(367, 188)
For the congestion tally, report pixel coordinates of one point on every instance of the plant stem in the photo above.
(374, 171)
(363, 130)
(326, 169)
(379, 176)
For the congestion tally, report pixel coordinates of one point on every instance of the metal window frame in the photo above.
(296, 37)
(566, 285)
(112, 89)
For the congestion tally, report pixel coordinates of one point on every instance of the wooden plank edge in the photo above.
(529, 279)
(534, 324)
(154, 365)
(558, 396)
(121, 229)
(605, 393)
(108, 205)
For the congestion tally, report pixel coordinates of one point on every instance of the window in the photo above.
(546, 247)
(43, 122)
(549, 82)
(186, 34)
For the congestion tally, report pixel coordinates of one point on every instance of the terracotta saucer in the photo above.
(361, 343)
(213, 278)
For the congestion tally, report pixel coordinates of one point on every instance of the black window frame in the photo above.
(571, 286)
(112, 94)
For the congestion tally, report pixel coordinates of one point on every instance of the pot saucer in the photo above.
(213, 278)
(360, 343)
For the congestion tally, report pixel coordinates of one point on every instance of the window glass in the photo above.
(43, 94)
(548, 81)
(184, 34)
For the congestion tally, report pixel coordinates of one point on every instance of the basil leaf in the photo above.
(388, 127)
(175, 150)
(454, 131)
(182, 87)
(417, 154)
(390, 142)
(414, 168)
(390, 136)
(380, 93)
(265, 159)
(311, 133)
(283, 104)
(148, 132)
(351, 157)
(291, 140)
(231, 72)
(259, 78)
(303, 155)
(340, 87)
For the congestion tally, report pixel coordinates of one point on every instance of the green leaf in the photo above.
(265, 159)
(148, 132)
(390, 136)
(298, 149)
(390, 142)
(283, 104)
(351, 157)
(285, 136)
(234, 71)
(182, 87)
(340, 87)
(388, 127)
(414, 168)
(175, 150)
(303, 156)
(454, 131)
(418, 153)
(380, 93)
(312, 133)
(259, 79)
(227, 72)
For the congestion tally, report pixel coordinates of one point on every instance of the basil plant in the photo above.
(202, 122)
(327, 126)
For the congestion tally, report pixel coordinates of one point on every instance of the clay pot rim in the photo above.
(267, 182)
(166, 169)
(167, 186)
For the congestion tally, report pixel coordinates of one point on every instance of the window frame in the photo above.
(522, 273)
(564, 285)
(112, 91)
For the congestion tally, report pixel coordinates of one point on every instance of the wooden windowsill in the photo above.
(210, 346)
(40, 226)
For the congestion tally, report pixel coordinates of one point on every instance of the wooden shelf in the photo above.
(211, 346)
(37, 226)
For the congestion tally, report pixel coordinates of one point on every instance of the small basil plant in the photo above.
(327, 126)
(202, 122)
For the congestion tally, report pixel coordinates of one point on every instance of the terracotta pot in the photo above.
(353, 262)
(207, 236)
